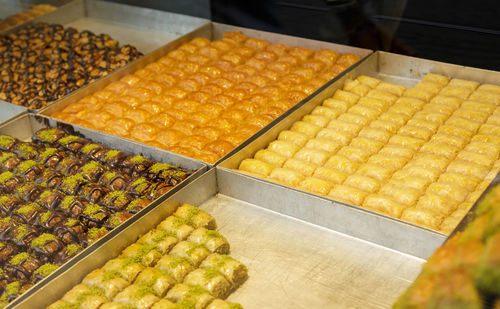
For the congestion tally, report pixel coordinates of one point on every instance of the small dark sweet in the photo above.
(72, 184)
(69, 166)
(51, 157)
(26, 151)
(48, 135)
(28, 213)
(72, 206)
(45, 245)
(92, 192)
(6, 225)
(7, 142)
(9, 202)
(72, 143)
(113, 180)
(117, 218)
(22, 235)
(8, 161)
(22, 265)
(138, 204)
(158, 189)
(93, 215)
(29, 169)
(95, 234)
(50, 199)
(29, 191)
(93, 151)
(140, 186)
(135, 165)
(50, 179)
(92, 170)
(16, 288)
(71, 231)
(116, 200)
(9, 182)
(113, 158)
(7, 250)
(50, 219)
(43, 271)
(67, 253)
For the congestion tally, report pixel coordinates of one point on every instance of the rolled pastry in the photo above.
(212, 240)
(211, 280)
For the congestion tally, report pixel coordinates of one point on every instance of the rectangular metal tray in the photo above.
(23, 128)
(146, 29)
(349, 219)
(9, 111)
(212, 31)
(292, 264)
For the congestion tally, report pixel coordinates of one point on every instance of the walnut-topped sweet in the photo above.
(42, 63)
(204, 98)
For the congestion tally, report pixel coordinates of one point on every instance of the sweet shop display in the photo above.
(422, 154)
(465, 271)
(204, 98)
(182, 263)
(35, 11)
(61, 192)
(42, 63)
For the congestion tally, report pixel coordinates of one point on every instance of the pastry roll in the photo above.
(399, 120)
(311, 155)
(365, 111)
(364, 183)
(235, 272)
(296, 138)
(196, 217)
(431, 116)
(383, 204)
(161, 304)
(404, 195)
(402, 109)
(429, 160)
(464, 181)
(177, 226)
(489, 129)
(453, 140)
(406, 141)
(346, 96)
(494, 120)
(471, 114)
(433, 126)
(379, 130)
(373, 103)
(449, 190)
(355, 153)
(158, 280)
(303, 167)
(136, 295)
(489, 87)
(286, 176)
(483, 107)
(486, 97)
(436, 78)
(468, 84)
(436, 203)
(193, 252)
(193, 296)
(416, 132)
(461, 93)
(449, 101)
(342, 163)
(344, 126)
(329, 174)
(84, 297)
(384, 96)
(414, 182)
(371, 145)
(425, 172)
(256, 167)
(394, 150)
(439, 108)
(323, 144)
(175, 266)
(328, 112)
(270, 157)
(342, 138)
(108, 281)
(338, 105)
(356, 87)
(316, 185)
(222, 304)
(374, 171)
(145, 254)
(347, 194)
(211, 280)
(445, 151)
(467, 168)
(392, 88)
(369, 81)
(423, 217)
(211, 239)
(126, 268)
(431, 87)
(418, 93)
(475, 157)
(306, 128)
(389, 162)
(354, 118)
(320, 121)
(454, 130)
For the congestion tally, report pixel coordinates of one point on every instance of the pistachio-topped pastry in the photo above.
(48, 135)
(7, 142)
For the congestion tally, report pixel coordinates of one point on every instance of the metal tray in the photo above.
(292, 264)
(12, 7)
(23, 128)
(349, 219)
(10, 111)
(146, 29)
(212, 31)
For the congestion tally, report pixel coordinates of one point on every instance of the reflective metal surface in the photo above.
(10, 111)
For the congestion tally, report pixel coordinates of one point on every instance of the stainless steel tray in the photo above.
(353, 220)
(23, 128)
(10, 111)
(212, 31)
(292, 264)
(146, 29)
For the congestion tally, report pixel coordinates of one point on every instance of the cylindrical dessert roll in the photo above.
(195, 253)
(189, 294)
(163, 240)
(160, 281)
(108, 281)
(139, 296)
(235, 272)
(147, 255)
(175, 267)
(212, 240)
(196, 217)
(211, 280)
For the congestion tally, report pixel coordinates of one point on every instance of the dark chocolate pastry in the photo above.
(116, 200)
(22, 235)
(51, 157)
(45, 246)
(48, 135)
(72, 206)
(93, 170)
(71, 184)
(69, 166)
(9, 181)
(139, 187)
(93, 151)
(7, 250)
(50, 199)
(29, 191)
(50, 179)
(113, 158)
(28, 213)
(71, 231)
(67, 253)
(50, 219)
(22, 265)
(30, 170)
(117, 218)
(43, 271)
(113, 180)
(93, 192)
(9, 202)
(93, 215)
(6, 225)
(138, 204)
(72, 143)
(14, 289)
(26, 151)
(7, 142)
(135, 165)
(158, 189)
(8, 161)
